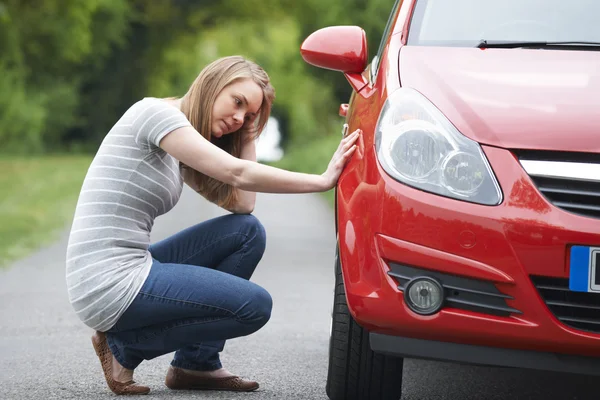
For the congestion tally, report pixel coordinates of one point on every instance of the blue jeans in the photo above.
(197, 295)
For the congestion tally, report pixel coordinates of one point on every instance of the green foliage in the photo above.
(69, 68)
(21, 118)
(45, 46)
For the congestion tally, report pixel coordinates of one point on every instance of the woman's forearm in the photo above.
(263, 178)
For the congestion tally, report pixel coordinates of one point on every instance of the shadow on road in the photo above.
(424, 380)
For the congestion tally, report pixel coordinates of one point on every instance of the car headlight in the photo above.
(418, 146)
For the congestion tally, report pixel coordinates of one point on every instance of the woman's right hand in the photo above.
(341, 156)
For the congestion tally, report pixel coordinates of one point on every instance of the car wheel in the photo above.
(355, 371)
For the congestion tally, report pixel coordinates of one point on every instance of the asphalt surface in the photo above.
(45, 352)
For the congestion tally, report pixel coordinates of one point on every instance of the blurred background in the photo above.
(70, 68)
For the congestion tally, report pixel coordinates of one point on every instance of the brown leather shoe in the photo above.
(177, 379)
(105, 356)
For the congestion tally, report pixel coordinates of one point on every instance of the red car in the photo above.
(468, 219)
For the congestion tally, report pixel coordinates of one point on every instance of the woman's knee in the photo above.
(264, 305)
(265, 302)
(257, 310)
(255, 231)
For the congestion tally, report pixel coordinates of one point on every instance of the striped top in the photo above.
(130, 182)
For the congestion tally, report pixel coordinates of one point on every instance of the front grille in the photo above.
(579, 197)
(570, 181)
(579, 310)
(462, 293)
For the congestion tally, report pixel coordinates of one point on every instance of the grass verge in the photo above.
(37, 199)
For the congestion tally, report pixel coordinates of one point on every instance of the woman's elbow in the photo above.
(245, 208)
(241, 209)
(242, 205)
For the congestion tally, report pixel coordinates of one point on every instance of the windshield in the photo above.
(468, 22)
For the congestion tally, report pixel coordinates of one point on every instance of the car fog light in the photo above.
(424, 295)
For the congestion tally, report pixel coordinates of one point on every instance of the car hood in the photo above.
(512, 98)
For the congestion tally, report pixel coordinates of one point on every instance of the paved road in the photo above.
(45, 352)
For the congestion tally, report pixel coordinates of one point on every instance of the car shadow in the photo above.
(440, 380)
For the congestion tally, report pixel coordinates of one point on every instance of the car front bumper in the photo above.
(382, 223)
(481, 355)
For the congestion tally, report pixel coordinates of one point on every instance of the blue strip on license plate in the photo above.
(583, 268)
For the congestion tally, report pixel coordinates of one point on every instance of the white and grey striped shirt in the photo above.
(130, 182)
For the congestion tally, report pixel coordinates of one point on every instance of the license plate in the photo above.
(584, 275)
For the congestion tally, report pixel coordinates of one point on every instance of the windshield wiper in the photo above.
(505, 44)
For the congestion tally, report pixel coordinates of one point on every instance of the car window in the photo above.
(467, 22)
(388, 26)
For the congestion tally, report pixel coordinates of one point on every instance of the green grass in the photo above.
(37, 200)
(312, 158)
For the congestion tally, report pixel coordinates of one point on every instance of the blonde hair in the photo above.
(197, 105)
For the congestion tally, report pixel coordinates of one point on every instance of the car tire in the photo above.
(355, 371)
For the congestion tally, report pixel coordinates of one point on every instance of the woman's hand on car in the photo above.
(340, 158)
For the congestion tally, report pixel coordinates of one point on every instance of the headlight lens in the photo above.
(417, 145)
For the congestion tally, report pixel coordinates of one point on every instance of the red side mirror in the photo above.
(339, 48)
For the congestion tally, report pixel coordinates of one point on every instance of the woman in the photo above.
(190, 292)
